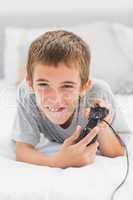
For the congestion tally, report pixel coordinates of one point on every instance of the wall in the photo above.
(11, 6)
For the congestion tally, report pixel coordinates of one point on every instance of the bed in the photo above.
(22, 181)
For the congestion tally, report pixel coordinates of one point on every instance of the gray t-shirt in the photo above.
(30, 122)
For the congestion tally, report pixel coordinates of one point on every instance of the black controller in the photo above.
(96, 115)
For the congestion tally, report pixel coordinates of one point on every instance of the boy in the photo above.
(55, 100)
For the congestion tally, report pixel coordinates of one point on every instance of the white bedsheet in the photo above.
(22, 181)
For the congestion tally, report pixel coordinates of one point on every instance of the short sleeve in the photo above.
(25, 128)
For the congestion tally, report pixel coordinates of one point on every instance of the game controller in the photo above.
(97, 114)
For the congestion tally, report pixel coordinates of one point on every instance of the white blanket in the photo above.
(22, 181)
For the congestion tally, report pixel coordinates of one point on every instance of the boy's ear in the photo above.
(85, 87)
(29, 83)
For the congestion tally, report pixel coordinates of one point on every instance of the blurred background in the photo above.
(107, 27)
(30, 6)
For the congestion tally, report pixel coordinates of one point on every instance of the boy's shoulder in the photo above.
(99, 89)
(100, 85)
(24, 92)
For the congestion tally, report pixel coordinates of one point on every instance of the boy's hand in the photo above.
(108, 118)
(79, 154)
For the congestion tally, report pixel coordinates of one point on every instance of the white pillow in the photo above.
(124, 36)
(7, 114)
(107, 60)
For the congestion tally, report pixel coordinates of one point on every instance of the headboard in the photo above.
(39, 20)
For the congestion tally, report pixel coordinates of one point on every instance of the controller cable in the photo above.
(127, 156)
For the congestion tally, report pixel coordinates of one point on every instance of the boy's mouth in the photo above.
(59, 109)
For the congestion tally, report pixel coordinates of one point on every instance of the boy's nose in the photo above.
(56, 96)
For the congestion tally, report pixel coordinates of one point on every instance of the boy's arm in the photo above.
(109, 143)
(27, 153)
(70, 155)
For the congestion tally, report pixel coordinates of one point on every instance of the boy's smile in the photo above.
(57, 90)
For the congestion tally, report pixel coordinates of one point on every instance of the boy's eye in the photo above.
(67, 86)
(43, 84)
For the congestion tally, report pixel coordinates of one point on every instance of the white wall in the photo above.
(11, 6)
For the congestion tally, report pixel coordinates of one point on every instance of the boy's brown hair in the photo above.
(60, 46)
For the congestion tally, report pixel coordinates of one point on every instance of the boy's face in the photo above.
(57, 91)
